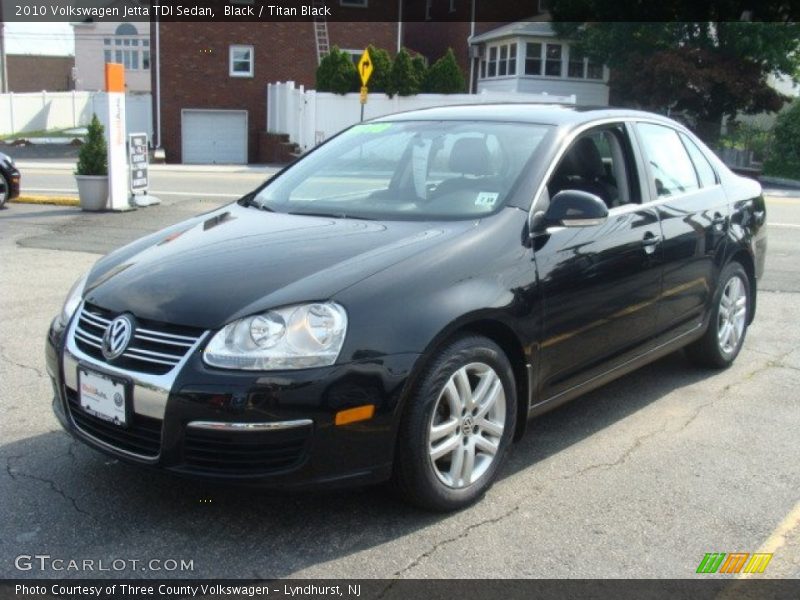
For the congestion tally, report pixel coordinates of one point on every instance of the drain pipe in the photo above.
(158, 153)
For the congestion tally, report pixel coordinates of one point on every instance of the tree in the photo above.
(336, 73)
(784, 154)
(420, 70)
(92, 158)
(404, 80)
(444, 77)
(381, 79)
(705, 70)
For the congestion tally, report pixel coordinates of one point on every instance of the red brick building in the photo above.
(209, 87)
(34, 73)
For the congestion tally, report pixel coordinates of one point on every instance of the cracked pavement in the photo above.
(638, 479)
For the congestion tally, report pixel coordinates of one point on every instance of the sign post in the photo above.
(118, 198)
(138, 160)
(364, 71)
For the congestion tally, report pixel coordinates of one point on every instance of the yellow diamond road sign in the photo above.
(365, 67)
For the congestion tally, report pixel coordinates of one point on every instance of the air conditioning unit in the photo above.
(477, 51)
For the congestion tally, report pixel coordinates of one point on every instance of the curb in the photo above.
(54, 200)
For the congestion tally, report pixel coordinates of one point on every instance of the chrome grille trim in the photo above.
(170, 348)
(150, 390)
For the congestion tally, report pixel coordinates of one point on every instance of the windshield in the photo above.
(408, 170)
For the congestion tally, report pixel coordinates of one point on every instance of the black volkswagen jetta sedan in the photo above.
(398, 302)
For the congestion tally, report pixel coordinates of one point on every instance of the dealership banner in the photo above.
(388, 10)
(401, 589)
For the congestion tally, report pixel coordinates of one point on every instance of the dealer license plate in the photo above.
(103, 397)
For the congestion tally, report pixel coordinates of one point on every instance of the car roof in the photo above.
(521, 112)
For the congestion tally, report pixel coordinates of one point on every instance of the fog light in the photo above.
(351, 415)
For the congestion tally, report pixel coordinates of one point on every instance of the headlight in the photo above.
(73, 300)
(293, 337)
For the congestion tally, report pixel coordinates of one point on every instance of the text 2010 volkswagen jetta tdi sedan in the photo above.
(397, 303)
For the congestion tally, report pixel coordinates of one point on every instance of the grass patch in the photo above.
(54, 200)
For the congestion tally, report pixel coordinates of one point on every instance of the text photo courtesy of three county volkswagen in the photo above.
(435, 290)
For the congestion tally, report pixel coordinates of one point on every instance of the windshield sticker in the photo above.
(370, 128)
(486, 199)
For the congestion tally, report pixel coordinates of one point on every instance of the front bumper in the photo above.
(292, 441)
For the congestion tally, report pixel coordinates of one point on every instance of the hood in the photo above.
(237, 261)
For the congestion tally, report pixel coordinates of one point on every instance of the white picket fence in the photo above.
(46, 111)
(310, 117)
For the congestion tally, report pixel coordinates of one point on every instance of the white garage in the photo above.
(214, 136)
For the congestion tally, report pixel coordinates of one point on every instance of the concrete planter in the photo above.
(93, 191)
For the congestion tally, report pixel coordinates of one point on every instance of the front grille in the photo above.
(156, 347)
(245, 453)
(142, 436)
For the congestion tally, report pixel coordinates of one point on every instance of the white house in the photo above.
(99, 43)
(528, 57)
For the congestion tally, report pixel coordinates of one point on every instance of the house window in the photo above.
(533, 58)
(552, 63)
(502, 61)
(354, 3)
(452, 5)
(428, 7)
(582, 67)
(241, 61)
(127, 48)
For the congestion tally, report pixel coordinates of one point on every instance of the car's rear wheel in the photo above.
(457, 426)
(722, 341)
(5, 190)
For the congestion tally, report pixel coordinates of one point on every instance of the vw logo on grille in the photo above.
(117, 336)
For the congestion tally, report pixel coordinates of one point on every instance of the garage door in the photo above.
(214, 136)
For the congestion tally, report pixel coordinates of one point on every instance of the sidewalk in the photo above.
(60, 165)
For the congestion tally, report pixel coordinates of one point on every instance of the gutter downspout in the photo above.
(158, 82)
(399, 25)
(469, 49)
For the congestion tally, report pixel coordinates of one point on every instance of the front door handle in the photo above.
(650, 241)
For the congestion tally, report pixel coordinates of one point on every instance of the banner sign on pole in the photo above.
(137, 152)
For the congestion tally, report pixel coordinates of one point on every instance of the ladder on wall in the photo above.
(321, 30)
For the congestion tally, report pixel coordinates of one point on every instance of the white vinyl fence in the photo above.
(310, 117)
(45, 111)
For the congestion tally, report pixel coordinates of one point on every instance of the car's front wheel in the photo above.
(457, 426)
(727, 327)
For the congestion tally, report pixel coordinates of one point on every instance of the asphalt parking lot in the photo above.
(640, 478)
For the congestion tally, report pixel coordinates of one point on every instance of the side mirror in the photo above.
(574, 208)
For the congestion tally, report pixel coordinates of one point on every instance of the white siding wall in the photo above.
(591, 93)
(90, 62)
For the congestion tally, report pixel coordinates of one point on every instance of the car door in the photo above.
(694, 215)
(599, 284)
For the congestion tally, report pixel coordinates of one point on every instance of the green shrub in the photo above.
(420, 70)
(444, 76)
(92, 158)
(381, 79)
(336, 73)
(784, 153)
(404, 78)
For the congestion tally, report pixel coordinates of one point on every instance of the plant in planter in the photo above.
(92, 171)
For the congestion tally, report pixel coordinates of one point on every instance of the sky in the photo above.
(39, 38)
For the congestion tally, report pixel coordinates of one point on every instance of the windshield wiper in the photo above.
(332, 215)
(250, 200)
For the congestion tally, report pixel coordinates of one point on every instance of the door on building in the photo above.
(214, 136)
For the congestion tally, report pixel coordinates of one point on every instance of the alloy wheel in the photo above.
(467, 425)
(732, 315)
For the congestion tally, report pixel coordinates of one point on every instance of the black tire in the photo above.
(5, 190)
(708, 351)
(417, 477)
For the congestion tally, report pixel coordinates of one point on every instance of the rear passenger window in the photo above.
(670, 167)
(705, 172)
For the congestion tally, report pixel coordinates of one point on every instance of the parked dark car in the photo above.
(9, 179)
(396, 304)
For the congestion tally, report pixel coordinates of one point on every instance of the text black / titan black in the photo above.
(396, 304)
